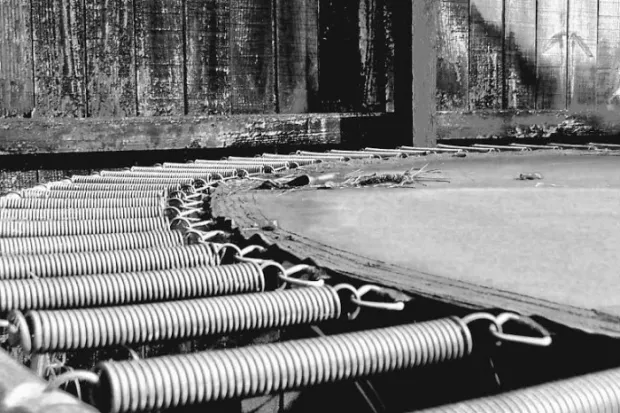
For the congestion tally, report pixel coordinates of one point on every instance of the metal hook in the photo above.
(80, 375)
(543, 341)
(357, 299)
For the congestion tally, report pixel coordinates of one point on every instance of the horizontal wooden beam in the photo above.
(64, 135)
(506, 124)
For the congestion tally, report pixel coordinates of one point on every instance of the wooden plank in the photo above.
(372, 47)
(520, 54)
(509, 124)
(582, 44)
(16, 87)
(424, 72)
(59, 54)
(608, 54)
(453, 55)
(298, 65)
(63, 135)
(252, 60)
(389, 15)
(486, 53)
(552, 54)
(208, 56)
(111, 75)
(159, 57)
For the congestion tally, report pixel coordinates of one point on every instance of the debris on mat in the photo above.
(529, 177)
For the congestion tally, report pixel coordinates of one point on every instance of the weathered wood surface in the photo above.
(159, 57)
(608, 52)
(583, 36)
(16, 87)
(59, 58)
(552, 54)
(207, 38)
(453, 55)
(486, 68)
(19, 136)
(110, 63)
(252, 62)
(298, 65)
(520, 124)
(520, 54)
(424, 80)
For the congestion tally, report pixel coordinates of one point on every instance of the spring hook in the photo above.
(286, 276)
(357, 295)
(172, 212)
(183, 223)
(497, 330)
(74, 375)
(198, 237)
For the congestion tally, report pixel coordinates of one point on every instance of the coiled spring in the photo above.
(84, 243)
(209, 376)
(129, 180)
(107, 262)
(175, 175)
(59, 203)
(130, 287)
(64, 330)
(592, 393)
(77, 193)
(76, 227)
(81, 214)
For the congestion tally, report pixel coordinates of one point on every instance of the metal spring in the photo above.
(163, 382)
(9, 229)
(130, 287)
(63, 330)
(118, 188)
(45, 203)
(160, 173)
(81, 214)
(592, 393)
(248, 168)
(107, 262)
(75, 193)
(129, 180)
(84, 243)
(274, 163)
(299, 160)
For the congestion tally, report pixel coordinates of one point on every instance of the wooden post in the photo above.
(424, 71)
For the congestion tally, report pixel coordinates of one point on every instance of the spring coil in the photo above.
(131, 287)
(158, 174)
(274, 163)
(299, 160)
(592, 393)
(9, 229)
(171, 381)
(250, 168)
(74, 193)
(118, 188)
(63, 330)
(107, 262)
(230, 163)
(84, 243)
(128, 180)
(84, 213)
(48, 203)
(214, 173)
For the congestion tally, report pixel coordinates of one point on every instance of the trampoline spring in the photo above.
(274, 163)
(247, 168)
(85, 243)
(66, 330)
(69, 193)
(130, 287)
(11, 229)
(159, 174)
(79, 214)
(174, 381)
(360, 154)
(299, 160)
(212, 173)
(108, 262)
(49, 203)
(591, 393)
(128, 180)
(129, 188)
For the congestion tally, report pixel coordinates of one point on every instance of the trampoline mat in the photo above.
(548, 248)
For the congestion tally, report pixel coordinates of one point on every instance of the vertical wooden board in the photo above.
(340, 77)
(552, 54)
(208, 56)
(486, 54)
(159, 57)
(373, 48)
(252, 60)
(608, 53)
(582, 40)
(389, 14)
(16, 87)
(111, 87)
(453, 55)
(520, 54)
(59, 54)
(298, 66)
